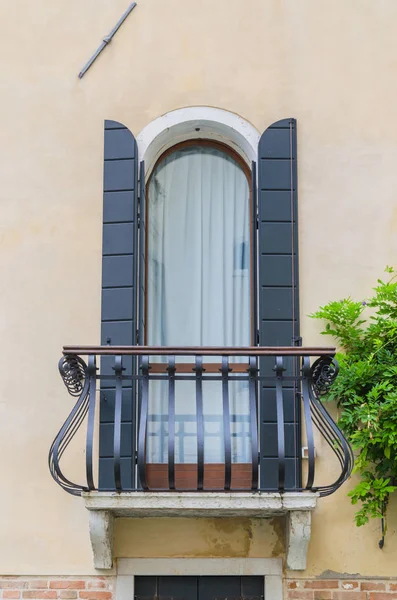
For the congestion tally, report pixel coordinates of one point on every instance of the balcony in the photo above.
(200, 432)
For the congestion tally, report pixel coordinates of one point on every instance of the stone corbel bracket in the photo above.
(104, 507)
(101, 534)
(298, 532)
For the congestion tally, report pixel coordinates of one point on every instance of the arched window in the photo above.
(198, 291)
(198, 247)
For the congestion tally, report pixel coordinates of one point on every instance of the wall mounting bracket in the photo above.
(106, 40)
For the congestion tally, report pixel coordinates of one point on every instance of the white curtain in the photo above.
(198, 289)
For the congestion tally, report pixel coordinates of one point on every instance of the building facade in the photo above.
(218, 173)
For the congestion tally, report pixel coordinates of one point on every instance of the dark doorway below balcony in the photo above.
(199, 588)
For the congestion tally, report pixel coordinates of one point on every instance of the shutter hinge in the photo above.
(296, 341)
(257, 337)
(138, 214)
(257, 222)
(137, 337)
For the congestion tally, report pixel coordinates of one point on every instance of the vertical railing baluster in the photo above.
(226, 422)
(296, 390)
(200, 422)
(134, 404)
(279, 369)
(171, 422)
(143, 418)
(253, 408)
(118, 371)
(89, 448)
(181, 438)
(308, 421)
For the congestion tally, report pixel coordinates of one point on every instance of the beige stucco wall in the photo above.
(204, 538)
(332, 65)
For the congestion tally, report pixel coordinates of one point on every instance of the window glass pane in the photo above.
(198, 250)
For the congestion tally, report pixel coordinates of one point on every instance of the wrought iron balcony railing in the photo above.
(197, 418)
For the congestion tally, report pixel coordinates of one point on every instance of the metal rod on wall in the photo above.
(106, 40)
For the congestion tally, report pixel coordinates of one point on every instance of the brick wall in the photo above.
(102, 588)
(57, 588)
(340, 589)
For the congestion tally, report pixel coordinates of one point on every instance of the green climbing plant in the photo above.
(366, 390)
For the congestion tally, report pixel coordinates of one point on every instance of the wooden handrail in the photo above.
(201, 350)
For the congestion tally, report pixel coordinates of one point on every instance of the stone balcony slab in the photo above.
(296, 506)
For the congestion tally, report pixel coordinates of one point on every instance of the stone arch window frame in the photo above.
(197, 122)
(201, 123)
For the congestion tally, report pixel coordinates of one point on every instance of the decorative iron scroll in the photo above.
(73, 372)
(324, 371)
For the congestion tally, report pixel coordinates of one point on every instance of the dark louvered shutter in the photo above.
(119, 293)
(278, 292)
